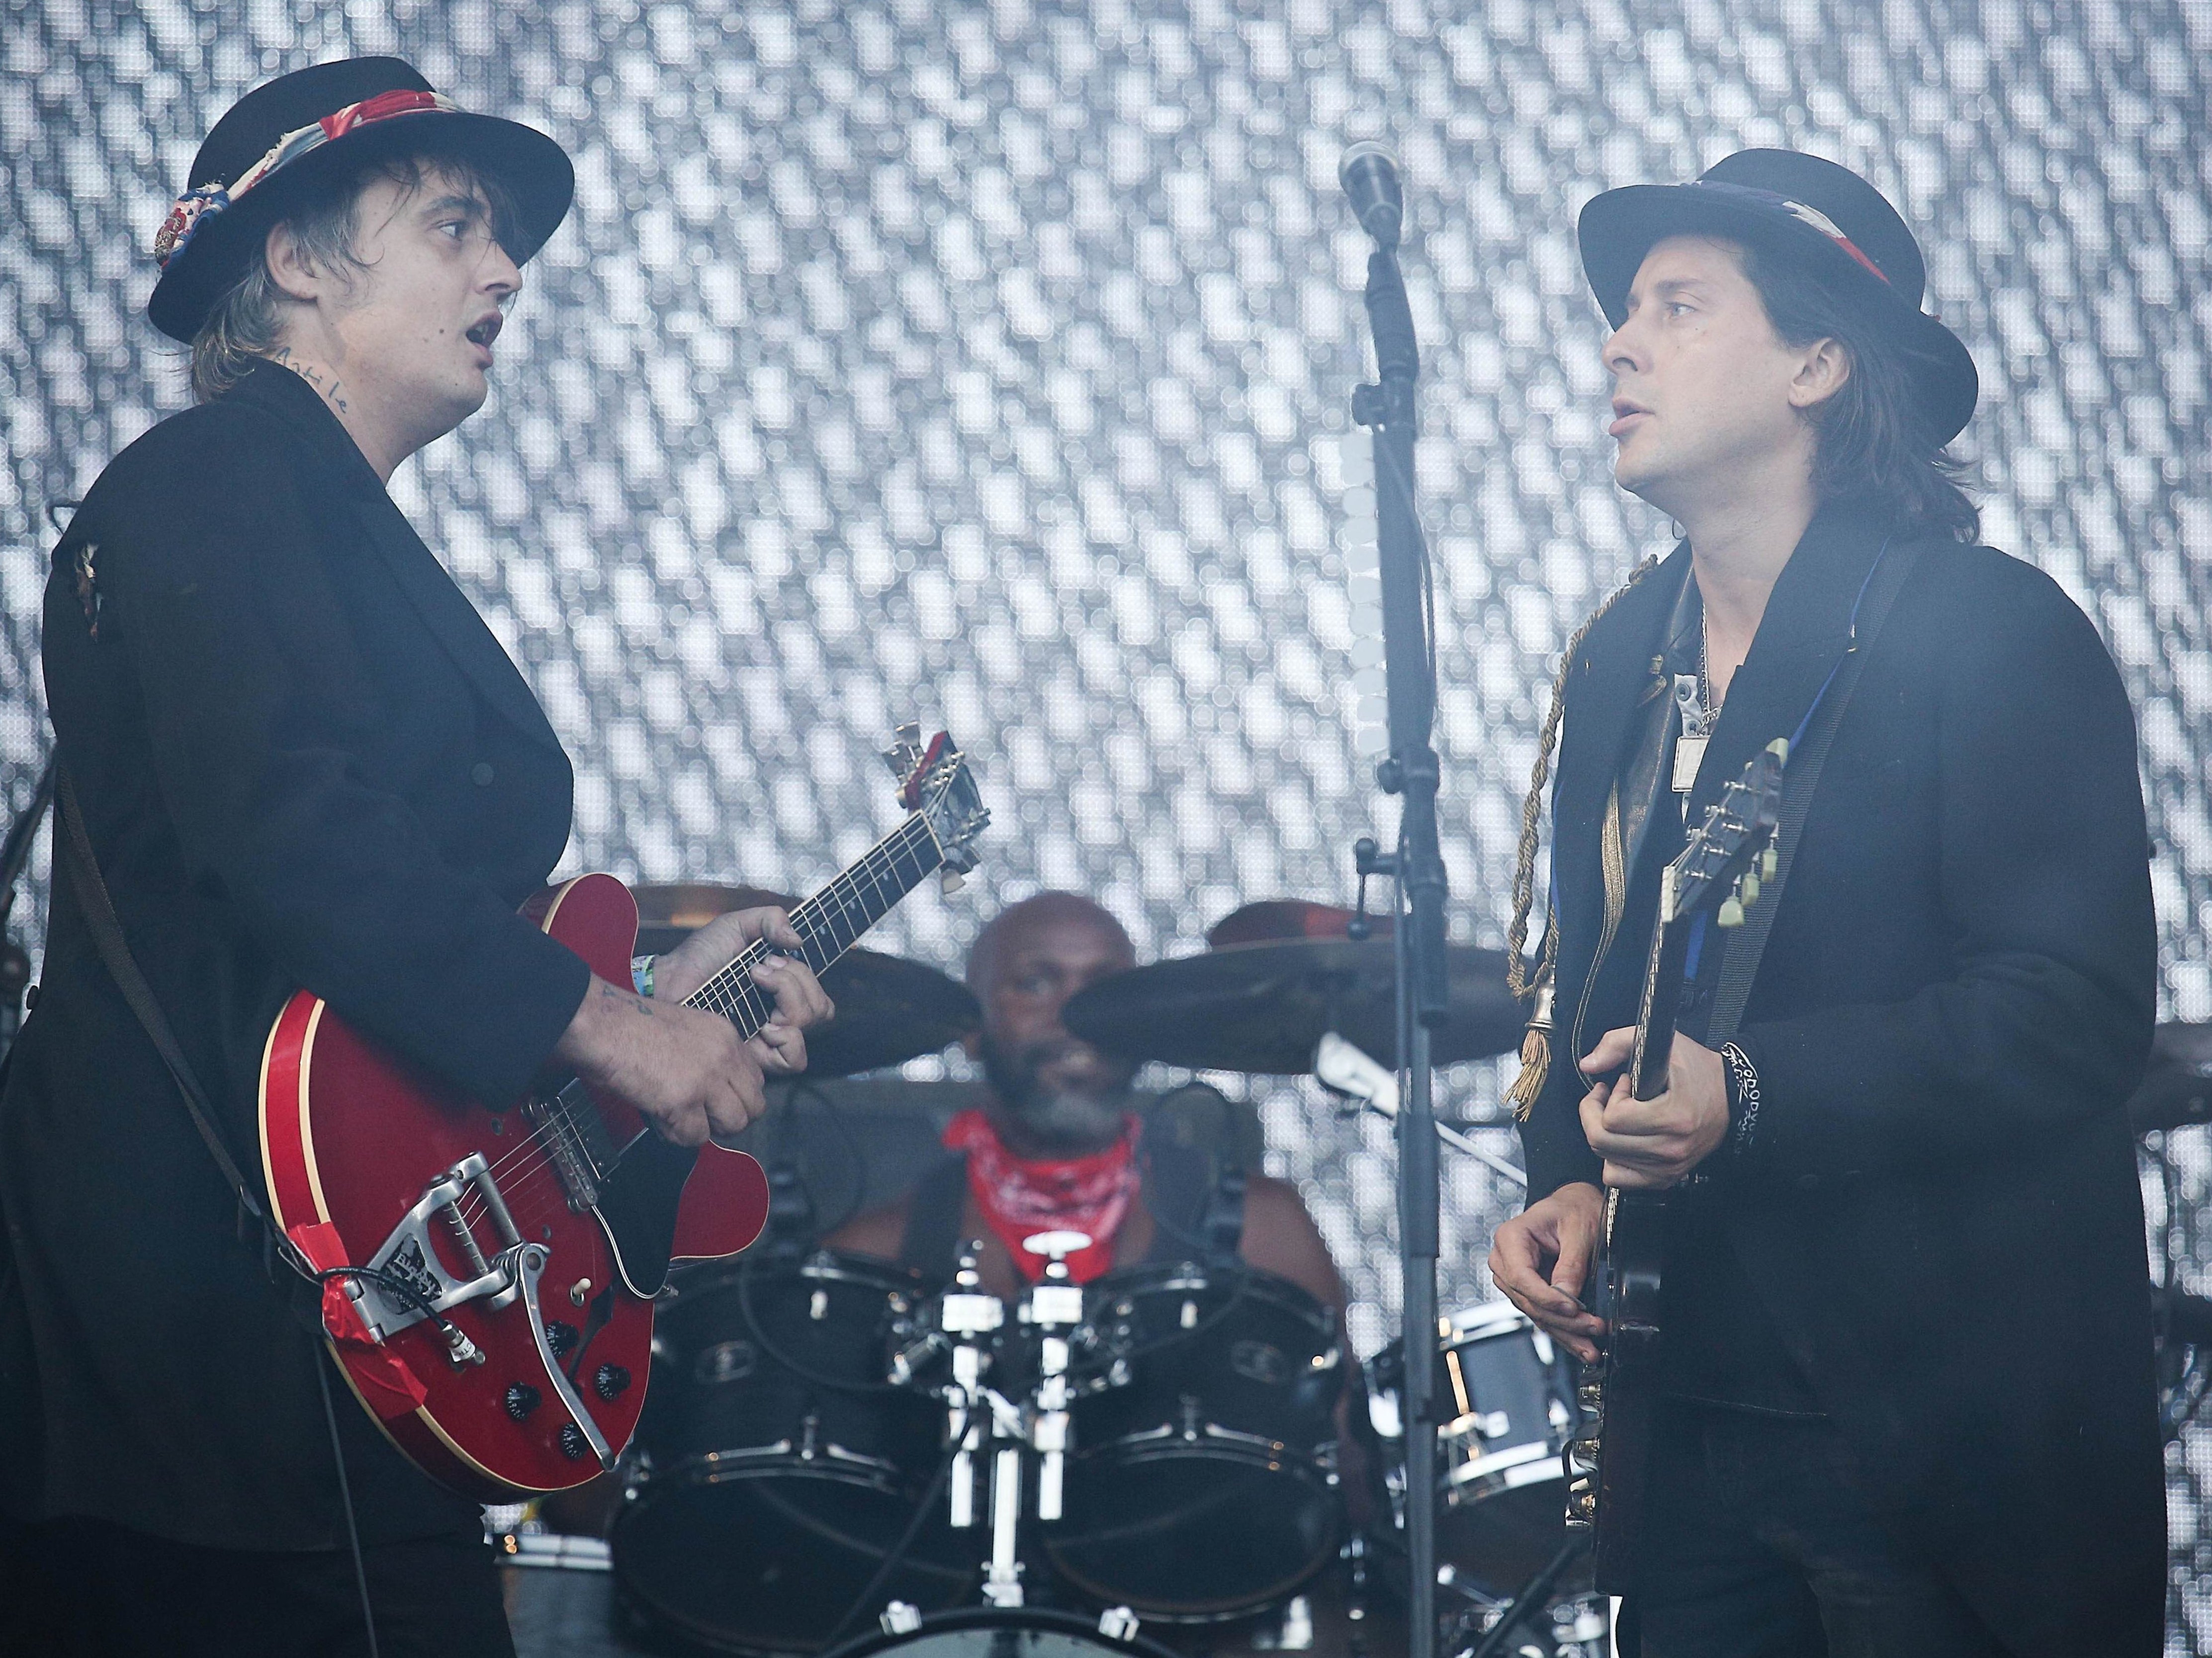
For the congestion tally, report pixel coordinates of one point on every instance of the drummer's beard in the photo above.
(1058, 1115)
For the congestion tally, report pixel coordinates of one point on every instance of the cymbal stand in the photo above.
(1344, 1067)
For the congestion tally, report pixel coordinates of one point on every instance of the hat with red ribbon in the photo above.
(282, 139)
(1821, 217)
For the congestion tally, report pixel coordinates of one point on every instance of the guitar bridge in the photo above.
(410, 1256)
(569, 1127)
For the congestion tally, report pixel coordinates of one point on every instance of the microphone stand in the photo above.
(1410, 772)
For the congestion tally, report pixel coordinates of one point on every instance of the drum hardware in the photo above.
(980, 1419)
(1534, 1595)
(1344, 1069)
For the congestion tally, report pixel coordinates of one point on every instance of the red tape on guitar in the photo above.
(381, 1377)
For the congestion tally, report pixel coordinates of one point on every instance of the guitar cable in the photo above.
(892, 1560)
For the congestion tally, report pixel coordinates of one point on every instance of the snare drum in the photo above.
(1203, 1484)
(1504, 1401)
(777, 1466)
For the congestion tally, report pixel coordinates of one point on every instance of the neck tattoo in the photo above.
(331, 389)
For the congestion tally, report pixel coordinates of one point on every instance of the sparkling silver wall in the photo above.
(988, 363)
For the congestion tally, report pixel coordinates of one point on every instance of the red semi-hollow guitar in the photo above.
(489, 1270)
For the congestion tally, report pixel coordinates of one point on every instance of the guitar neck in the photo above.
(829, 922)
(1662, 999)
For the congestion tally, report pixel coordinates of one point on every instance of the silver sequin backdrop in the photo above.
(988, 362)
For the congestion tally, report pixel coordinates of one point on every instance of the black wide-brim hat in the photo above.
(1823, 218)
(284, 139)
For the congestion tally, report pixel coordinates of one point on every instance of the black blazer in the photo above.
(1940, 1209)
(303, 761)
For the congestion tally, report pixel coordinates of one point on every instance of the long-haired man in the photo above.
(1908, 1399)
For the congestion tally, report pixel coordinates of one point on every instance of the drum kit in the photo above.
(839, 1456)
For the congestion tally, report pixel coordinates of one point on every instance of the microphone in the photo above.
(1368, 173)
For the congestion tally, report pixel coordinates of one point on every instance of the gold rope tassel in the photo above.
(1535, 1058)
(1536, 1044)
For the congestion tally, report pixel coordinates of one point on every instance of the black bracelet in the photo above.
(1743, 1098)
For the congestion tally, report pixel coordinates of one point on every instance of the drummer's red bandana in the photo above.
(1020, 1197)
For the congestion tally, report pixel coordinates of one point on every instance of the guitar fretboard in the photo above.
(829, 922)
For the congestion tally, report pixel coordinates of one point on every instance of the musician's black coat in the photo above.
(1940, 1208)
(304, 761)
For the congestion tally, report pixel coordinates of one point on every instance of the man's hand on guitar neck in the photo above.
(1540, 1257)
(688, 1071)
(1650, 1145)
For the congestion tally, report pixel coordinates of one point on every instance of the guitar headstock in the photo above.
(935, 780)
(1733, 851)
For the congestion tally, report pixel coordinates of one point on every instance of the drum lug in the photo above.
(1119, 1623)
(900, 1617)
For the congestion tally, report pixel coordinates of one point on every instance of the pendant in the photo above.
(1689, 755)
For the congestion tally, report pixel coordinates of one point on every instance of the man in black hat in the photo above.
(302, 759)
(1907, 1402)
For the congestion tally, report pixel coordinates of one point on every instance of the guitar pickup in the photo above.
(411, 1255)
(568, 1125)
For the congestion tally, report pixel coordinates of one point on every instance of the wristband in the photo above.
(1743, 1098)
(641, 973)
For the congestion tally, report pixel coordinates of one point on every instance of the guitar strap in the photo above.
(76, 856)
(75, 853)
(1747, 943)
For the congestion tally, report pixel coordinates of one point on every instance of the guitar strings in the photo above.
(880, 868)
(884, 873)
(881, 875)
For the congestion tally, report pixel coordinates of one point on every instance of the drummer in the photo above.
(1059, 1142)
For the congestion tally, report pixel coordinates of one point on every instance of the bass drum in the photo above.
(778, 1467)
(1203, 1484)
(1003, 1632)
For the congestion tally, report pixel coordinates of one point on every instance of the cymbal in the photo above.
(1261, 1007)
(889, 1010)
(2177, 1090)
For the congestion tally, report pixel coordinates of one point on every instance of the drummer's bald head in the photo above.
(1020, 924)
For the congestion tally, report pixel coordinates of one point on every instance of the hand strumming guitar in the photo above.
(687, 1070)
(1540, 1257)
(1650, 1145)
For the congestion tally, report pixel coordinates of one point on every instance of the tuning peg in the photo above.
(1769, 861)
(1747, 889)
(1731, 913)
(905, 748)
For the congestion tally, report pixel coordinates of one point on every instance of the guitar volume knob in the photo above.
(522, 1398)
(561, 1338)
(574, 1445)
(611, 1380)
